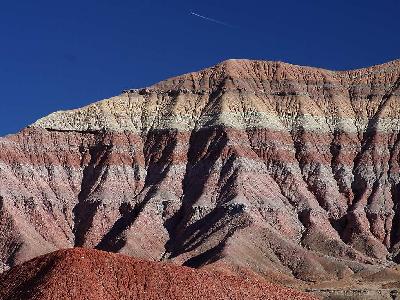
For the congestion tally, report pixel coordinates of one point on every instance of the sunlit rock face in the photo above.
(83, 274)
(290, 171)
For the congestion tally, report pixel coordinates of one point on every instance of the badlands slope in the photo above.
(289, 171)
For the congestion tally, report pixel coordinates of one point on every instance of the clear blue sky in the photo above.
(65, 54)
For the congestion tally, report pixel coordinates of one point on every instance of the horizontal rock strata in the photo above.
(290, 171)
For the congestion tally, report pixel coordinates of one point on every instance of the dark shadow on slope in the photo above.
(395, 192)
(29, 285)
(86, 208)
(395, 232)
(340, 226)
(337, 167)
(211, 255)
(368, 151)
(219, 218)
(158, 151)
(206, 146)
(368, 143)
(114, 240)
(225, 220)
(359, 184)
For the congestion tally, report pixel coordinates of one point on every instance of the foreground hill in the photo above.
(290, 171)
(92, 274)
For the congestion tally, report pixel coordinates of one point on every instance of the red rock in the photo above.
(278, 168)
(92, 274)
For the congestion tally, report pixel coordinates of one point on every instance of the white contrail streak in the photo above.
(211, 20)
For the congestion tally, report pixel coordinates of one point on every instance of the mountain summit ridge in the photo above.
(197, 97)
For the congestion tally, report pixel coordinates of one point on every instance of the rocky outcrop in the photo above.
(92, 274)
(290, 171)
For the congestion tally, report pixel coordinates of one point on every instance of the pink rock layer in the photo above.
(292, 172)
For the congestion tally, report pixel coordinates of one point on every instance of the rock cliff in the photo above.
(290, 171)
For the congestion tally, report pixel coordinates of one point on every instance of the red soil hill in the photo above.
(91, 274)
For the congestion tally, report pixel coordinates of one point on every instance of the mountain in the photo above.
(289, 171)
(92, 274)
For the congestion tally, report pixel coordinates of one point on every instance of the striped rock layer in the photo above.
(290, 171)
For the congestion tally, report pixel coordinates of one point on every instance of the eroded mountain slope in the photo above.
(290, 171)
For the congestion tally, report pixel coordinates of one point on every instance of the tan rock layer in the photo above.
(280, 168)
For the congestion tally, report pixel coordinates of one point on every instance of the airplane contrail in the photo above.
(211, 20)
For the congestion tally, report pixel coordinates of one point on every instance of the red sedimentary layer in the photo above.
(92, 274)
(282, 169)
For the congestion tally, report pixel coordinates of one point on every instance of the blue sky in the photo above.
(65, 54)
